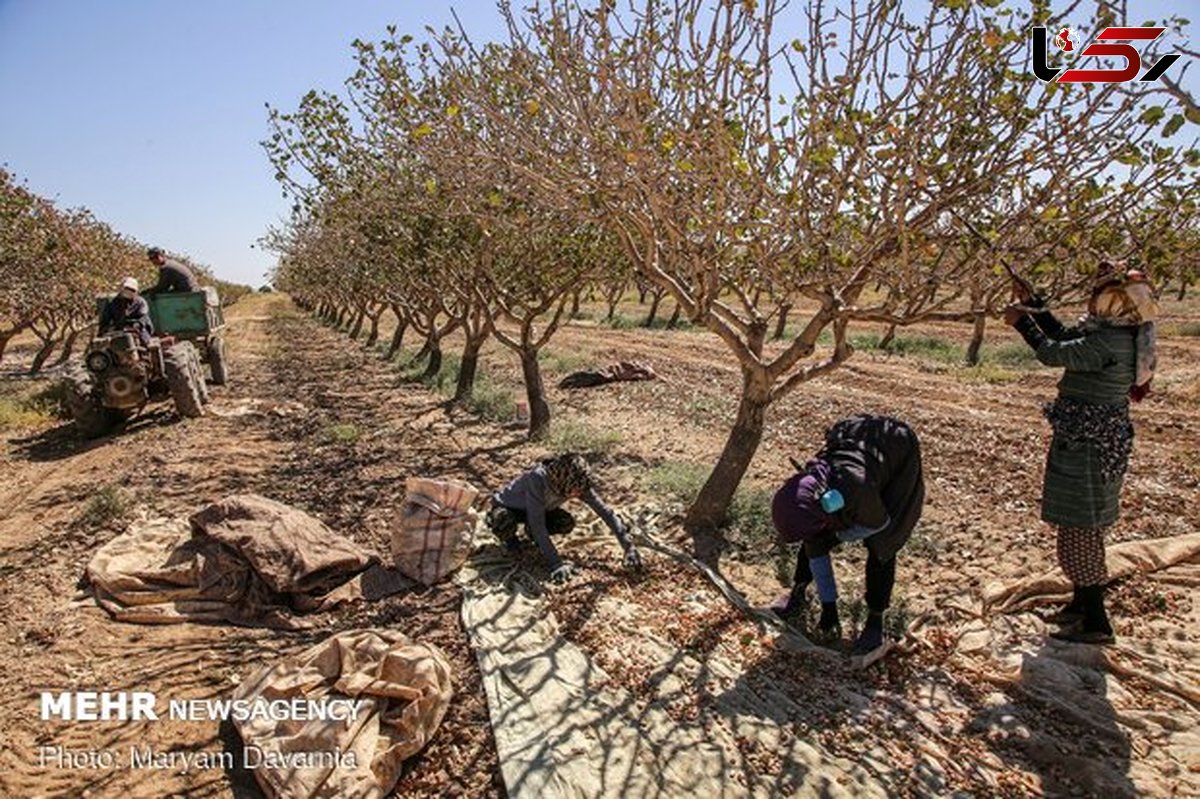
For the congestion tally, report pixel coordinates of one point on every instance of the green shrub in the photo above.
(446, 379)
(675, 480)
(492, 402)
(749, 522)
(107, 506)
(619, 321)
(932, 347)
(24, 404)
(571, 435)
(563, 361)
(1010, 353)
(1190, 329)
(342, 433)
(703, 409)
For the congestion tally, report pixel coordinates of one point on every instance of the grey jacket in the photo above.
(120, 313)
(174, 276)
(531, 493)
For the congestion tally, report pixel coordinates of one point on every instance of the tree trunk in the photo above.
(612, 306)
(466, 372)
(653, 310)
(889, 335)
(1181, 296)
(781, 323)
(641, 294)
(426, 348)
(435, 360)
(674, 320)
(535, 393)
(397, 339)
(68, 348)
(574, 305)
(4, 339)
(373, 332)
(711, 507)
(39, 360)
(976, 340)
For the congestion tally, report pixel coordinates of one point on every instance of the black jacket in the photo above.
(876, 464)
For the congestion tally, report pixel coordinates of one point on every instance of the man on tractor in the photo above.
(128, 311)
(172, 275)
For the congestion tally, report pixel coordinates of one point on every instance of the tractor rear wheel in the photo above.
(181, 379)
(217, 361)
(91, 418)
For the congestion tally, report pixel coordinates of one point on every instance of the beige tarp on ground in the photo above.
(245, 560)
(1140, 697)
(563, 729)
(991, 702)
(1133, 557)
(404, 687)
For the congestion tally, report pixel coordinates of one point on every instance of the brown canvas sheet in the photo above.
(622, 371)
(245, 560)
(403, 689)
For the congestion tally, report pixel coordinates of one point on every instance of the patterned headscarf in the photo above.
(796, 507)
(567, 474)
(1123, 297)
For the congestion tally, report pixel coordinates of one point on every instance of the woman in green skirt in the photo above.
(1109, 358)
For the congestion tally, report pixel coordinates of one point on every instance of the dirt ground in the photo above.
(314, 420)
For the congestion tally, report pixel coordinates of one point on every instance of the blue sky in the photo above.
(149, 112)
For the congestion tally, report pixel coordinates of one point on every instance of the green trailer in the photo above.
(194, 316)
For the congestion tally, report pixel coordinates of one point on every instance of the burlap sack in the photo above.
(433, 534)
(404, 689)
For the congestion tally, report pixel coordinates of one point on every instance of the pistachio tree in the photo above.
(736, 168)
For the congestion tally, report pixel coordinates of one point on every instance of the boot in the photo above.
(872, 643)
(1095, 627)
(871, 637)
(1070, 613)
(795, 606)
(829, 627)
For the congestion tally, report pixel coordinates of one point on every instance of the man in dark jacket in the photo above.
(866, 485)
(127, 311)
(172, 275)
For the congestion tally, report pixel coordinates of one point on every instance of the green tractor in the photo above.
(120, 374)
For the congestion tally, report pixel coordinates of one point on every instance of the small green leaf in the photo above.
(1152, 115)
